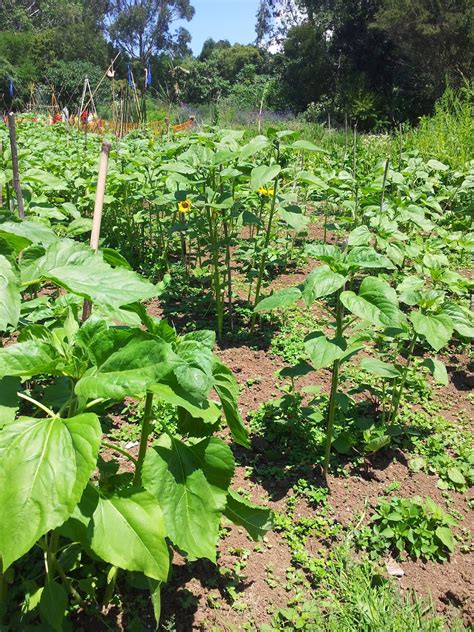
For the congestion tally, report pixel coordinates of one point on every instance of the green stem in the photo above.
(383, 402)
(263, 261)
(112, 580)
(116, 448)
(334, 387)
(146, 430)
(384, 182)
(48, 411)
(398, 396)
(229, 275)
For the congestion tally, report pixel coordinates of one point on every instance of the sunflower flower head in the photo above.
(264, 192)
(184, 206)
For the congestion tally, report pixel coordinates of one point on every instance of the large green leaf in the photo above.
(376, 303)
(194, 372)
(128, 530)
(53, 605)
(321, 282)
(10, 298)
(436, 328)
(45, 179)
(359, 236)
(282, 298)
(256, 520)
(306, 145)
(324, 252)
(463, 319)
(437, 370)
(178, 396)
(367, 257)
(25, 359)
(321, 351)
(227, 390)
(33, 232)
(44, 467)
(263, 175)
(293, 216)
(130, 370)
(9, 404)
(190, 482)
(78, 269)
(379, 368)
(446, 536)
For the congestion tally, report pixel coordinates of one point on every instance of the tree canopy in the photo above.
(377, 61)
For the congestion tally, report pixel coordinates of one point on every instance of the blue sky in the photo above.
(222, 19)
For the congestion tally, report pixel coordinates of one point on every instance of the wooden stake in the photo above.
(97, 218)
(16, 171)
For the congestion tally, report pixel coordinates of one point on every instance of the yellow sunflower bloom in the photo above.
(184, 206)
(264, 192)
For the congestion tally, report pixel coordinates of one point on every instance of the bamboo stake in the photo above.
(16, 171)
(97, 217)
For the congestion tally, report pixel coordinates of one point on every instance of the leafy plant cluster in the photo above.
(62, 492)
(418, 527)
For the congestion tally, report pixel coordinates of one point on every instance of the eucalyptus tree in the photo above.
(143, 27)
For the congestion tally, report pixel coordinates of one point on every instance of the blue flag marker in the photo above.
(148, 75)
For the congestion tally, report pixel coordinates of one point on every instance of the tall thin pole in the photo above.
(16, 170)
(97, 217)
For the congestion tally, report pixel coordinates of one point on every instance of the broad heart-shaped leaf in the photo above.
(176, 395)
(194, 373)
(324, 252)
(376, 303)
(10, 298)
(129, 371)
(437, 165)
(282, 298)
(44, 467)
(321, 282)
(366, 257)
(25, 359)
(256, 520)
(321, 351)
(446, 536)
(379, 368)
(77, 268)
(360, 236)
(437, 370)
(263, 175)
(47, 180)
(227, 390)
(293, 216)
(53, 605)
(436, 328)
(309, 178)
(34, 232)
(128, 530)
(9, 404)
(306, 145)
(190, 482)
(99, 339)
(463, 320)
